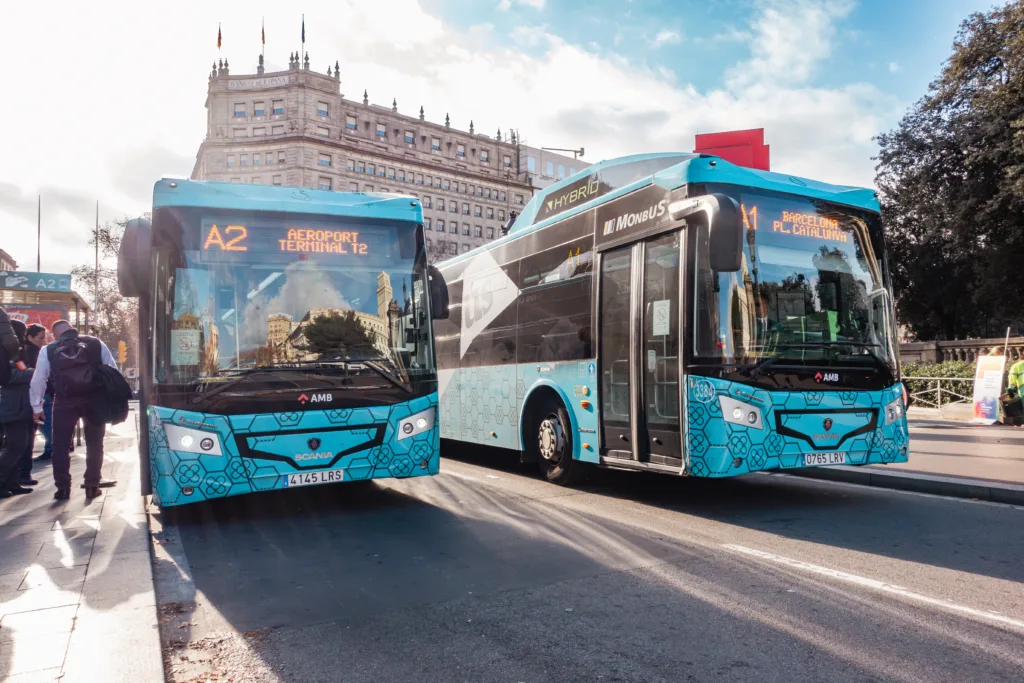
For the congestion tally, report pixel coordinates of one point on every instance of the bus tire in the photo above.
(550, 442)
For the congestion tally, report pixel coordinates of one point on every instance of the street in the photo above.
(488, 573)
(960, 449)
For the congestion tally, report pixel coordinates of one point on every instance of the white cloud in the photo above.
(893, 67)
(666, 37)
(505, 5)
(130, 104)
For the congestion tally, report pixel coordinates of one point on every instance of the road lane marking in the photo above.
(877, 585)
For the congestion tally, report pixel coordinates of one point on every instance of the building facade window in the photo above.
(446, 184)
(354, 187)
(490, 212)
(277, 107)
(478, 231)
(351, 164)
(350, 122)
(382, 131)
(453, 207)
(531, 164)
(501, 196)
(360, 167)
(435, 144)
(549, 168)
(483, 156)
(419, 178)
(239, 109)
(259, 131)
(259, 109)
(401, 175)
(561, 170)
(321, 109)
(367, 188)
(519, 199)
(236, 180)
(465, 229)
(426, 202)
(440, 204)
(371, 169)
(231, 161)
(453, 228)
(270, 158)
(257, 159)
(478, 210)
(320, 130)
(391, 174)
(490, 233)
(324, 183)
(460, 150)
(426, 224)
(410, 137)
(280, 157)
(325, 160)
(465, 208)
(244, 159)
(501, 214)
(257, 180)
(381, 171)
(506, 161)
(277, 130)
(440, 225)
(465, 248)
(572, 170)
(277, 180)
(240, 133)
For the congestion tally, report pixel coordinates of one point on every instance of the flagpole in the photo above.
(263, 36)
(39, 233)
(303, 51)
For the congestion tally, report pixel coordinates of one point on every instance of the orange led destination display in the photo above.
(811, 225)
(236, 238)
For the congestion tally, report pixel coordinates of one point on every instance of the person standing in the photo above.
(36, 335)
(35, 338)
(15, 414)
(71, 360)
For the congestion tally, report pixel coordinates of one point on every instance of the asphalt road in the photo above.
(965, 450)
(486, 573)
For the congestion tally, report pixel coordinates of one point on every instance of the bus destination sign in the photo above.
(236, 238)
(796, 224)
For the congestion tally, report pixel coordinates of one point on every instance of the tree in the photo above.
(951, 181)
(117, 317)
(441, 248)
(338, 334)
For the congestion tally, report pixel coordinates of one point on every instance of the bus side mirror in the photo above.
(725, 228)
(134, 258)
(438, 294)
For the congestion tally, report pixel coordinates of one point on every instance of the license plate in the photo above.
(311, 478)
(832, 458)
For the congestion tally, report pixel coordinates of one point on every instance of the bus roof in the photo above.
(622, 175)
(201, 193)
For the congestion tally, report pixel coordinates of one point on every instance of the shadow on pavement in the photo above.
(978, 539)
(439, 579)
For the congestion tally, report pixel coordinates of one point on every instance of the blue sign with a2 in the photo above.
(40, 282)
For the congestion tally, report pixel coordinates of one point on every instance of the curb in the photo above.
(954, 487)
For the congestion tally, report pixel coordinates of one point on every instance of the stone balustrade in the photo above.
(961, 349)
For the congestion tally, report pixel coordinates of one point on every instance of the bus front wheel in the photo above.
(551, 442)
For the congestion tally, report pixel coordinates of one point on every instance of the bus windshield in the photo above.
(247, 292)
(812, 289)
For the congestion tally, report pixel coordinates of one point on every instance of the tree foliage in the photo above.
(951, 181)
(117, 317)
(441, 248)
(338, 334)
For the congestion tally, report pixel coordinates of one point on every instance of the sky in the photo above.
(102, 99)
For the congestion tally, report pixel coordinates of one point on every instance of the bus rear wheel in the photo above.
(551, 442)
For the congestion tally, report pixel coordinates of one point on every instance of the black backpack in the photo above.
(113, 394)
(73, 363)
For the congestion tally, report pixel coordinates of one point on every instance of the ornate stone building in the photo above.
(296, 128)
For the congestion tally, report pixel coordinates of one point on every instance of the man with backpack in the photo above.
(73, 362)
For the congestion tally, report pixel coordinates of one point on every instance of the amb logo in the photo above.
(826, 377)
(315, 398)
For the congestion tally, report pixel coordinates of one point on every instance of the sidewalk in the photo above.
(76, 580)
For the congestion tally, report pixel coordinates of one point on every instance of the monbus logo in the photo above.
(629, 220)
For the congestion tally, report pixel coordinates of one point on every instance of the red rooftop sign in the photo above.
(741, 147)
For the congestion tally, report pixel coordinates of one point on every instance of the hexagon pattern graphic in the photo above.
(714, 443)
(172, 472)
(481, 404)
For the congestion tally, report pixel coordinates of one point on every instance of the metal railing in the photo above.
(939, 391)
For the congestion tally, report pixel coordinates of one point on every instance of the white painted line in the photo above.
(877, 585)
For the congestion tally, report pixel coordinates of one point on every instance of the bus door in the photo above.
(638, 354)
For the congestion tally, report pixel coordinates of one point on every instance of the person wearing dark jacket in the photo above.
(15, 414)
(35, 339)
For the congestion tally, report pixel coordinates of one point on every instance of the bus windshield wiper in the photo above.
(387, 374)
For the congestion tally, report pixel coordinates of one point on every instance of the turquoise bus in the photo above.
(677, 313)
(285, 338)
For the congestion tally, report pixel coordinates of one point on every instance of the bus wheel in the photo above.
(551, 442)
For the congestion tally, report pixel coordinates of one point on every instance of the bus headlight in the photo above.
(192, 440)
(894, 410)
(740, 413)
(416, 424)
